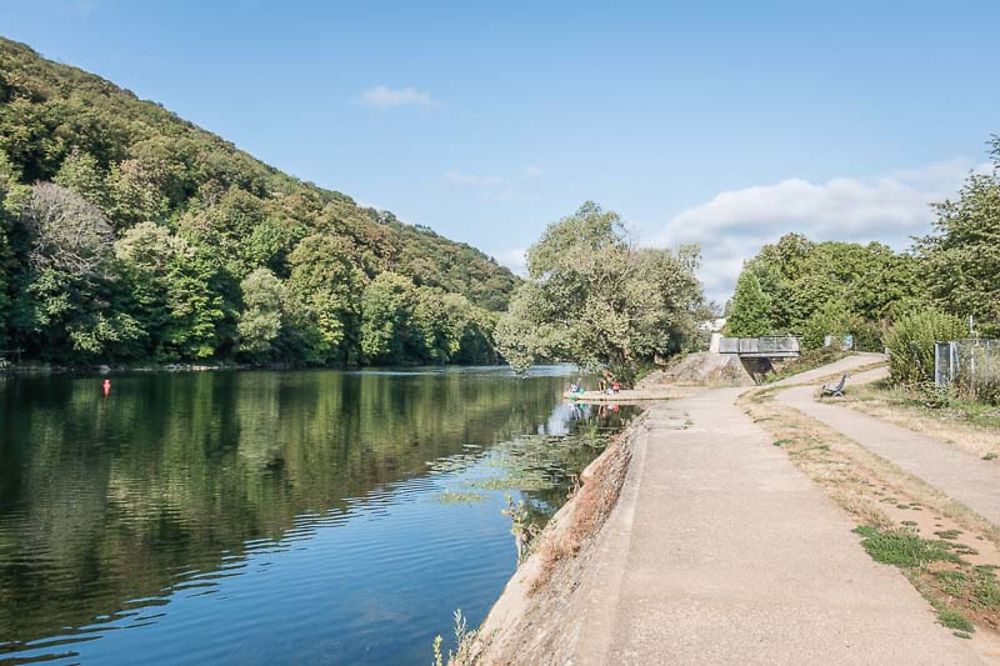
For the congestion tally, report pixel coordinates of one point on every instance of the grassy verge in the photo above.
(947, 552)
(971, 426)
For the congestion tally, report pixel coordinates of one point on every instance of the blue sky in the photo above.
(724, 123)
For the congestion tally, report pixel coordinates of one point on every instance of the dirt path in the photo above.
(723, 552)
(958, 474)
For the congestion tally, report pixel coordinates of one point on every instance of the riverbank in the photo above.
(532, 618)
(719, 549)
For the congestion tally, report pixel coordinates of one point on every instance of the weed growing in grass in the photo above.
(951, 582)
(903, 549)
(955, 620)
(948, 535)
(985, 590)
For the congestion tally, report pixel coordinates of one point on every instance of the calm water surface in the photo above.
(270, 517)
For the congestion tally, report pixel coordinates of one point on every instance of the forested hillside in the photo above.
(130, 235)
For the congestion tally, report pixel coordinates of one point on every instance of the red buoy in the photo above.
(107, 387)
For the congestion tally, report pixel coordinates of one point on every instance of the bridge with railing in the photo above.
(768, 346)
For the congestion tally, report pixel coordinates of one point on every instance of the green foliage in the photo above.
(594, 299)
(955, 620)
(387, 318)
(260, 323)
(961, 259)
(751, 310)
(902, 548)
(204, 239)
(818, 289)
(832, 319)
(911, 344)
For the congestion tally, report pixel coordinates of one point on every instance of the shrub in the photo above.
(868, 335)
(987, 391)
(911, 344)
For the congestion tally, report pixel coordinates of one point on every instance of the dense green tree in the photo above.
(832, 319)
(594, 299)
(81, 173)
(135, 193)
(322, 290)
(751, 311)
(798, 286)
(962, 256)
(261, 320)
(126, 234)
(387, 311)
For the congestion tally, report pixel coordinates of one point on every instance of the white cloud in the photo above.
(890, 207)
(514, 259)
(495, 187)
(384, 97)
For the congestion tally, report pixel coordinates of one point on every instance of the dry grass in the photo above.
(878, 494)
(978, 436)
(590, 507)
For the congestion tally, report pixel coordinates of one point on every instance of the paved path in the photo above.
(960, 475)
(847, 364)
(722, 552)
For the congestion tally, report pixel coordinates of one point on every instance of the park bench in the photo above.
(834, 390)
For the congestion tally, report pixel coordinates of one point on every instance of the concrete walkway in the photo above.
(960, 475)
(721, 552)
(848, 364)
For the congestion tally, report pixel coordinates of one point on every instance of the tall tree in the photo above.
(261, 320)
(594, 299)
(751, 310)
(962, 256)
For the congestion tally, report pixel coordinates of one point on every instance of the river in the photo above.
(271, 517)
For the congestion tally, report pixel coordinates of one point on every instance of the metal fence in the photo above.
(768, 345)
(966, 363)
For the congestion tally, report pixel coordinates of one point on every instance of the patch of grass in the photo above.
(962, 549)
(949, 535)
(910, 523)
(903, 549)
(460, 498)
(962, 634)
(955, 620)
(952, 582)
(985, 590)
(956, 409)
(781, 442)
(990, 456)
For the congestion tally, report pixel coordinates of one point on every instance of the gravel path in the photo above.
(722, 552)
